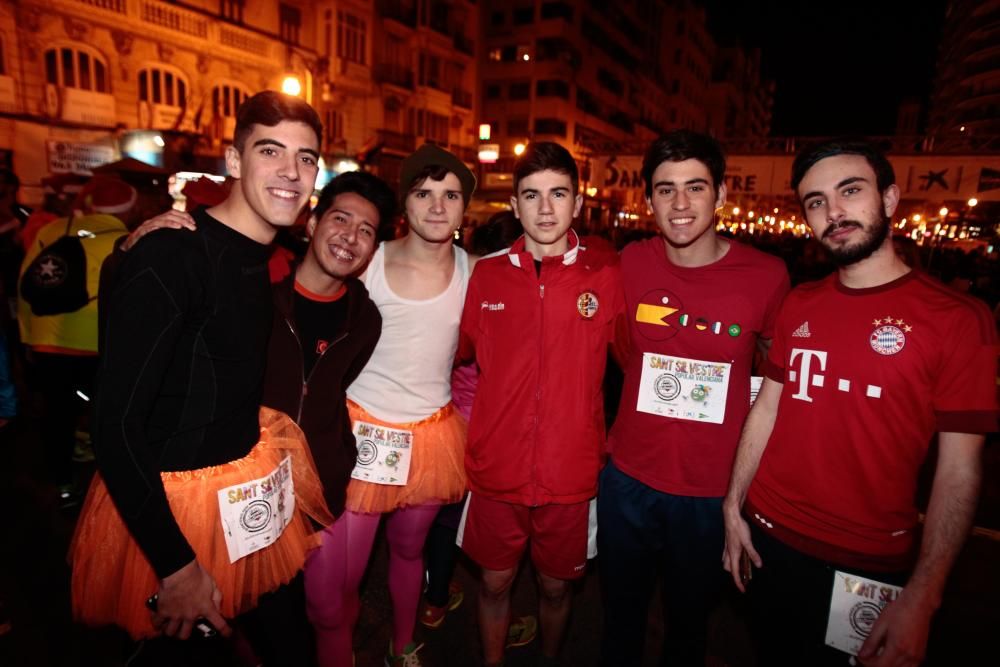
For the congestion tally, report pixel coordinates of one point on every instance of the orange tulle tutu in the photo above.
(437, 470)
(112, 578)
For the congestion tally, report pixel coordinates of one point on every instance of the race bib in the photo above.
(683, 388)
(756, 382)
(855, 605)
(255, 513)
(384, 454)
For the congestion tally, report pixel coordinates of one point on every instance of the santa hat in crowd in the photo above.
(106, 194)
(203, 192)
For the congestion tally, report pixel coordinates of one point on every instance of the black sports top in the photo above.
(184, 349)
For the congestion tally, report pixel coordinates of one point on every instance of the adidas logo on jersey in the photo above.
(802, 331)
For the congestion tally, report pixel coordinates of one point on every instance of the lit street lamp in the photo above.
(291, 86)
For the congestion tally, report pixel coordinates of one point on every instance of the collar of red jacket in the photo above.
(517, 251)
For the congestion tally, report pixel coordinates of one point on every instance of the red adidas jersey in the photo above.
(680, 319)
(869, 375)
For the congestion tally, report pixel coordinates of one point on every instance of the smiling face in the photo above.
(684, 202)
(343, 241)
(546, 206)
(434, 209)
(275, 173)
(845, 209)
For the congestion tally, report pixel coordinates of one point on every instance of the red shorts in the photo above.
(496, 533)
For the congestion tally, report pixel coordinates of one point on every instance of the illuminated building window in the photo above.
(432, 126)
(333, 125)
(159, 85)
(289, 23)
(76, 68)
(351, 37)
(430, 72)
(232, 10)
(226, 99)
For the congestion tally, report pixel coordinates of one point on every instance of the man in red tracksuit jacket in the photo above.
(538, 320)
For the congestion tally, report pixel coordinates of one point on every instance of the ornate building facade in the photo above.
(85, 81)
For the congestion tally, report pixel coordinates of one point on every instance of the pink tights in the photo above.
(333, 574)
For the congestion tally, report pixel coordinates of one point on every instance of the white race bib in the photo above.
(756, 382)
(855, 605)
(384, 454)
(255, 513)
(683, 388)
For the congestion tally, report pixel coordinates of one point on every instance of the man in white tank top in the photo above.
(411, 439)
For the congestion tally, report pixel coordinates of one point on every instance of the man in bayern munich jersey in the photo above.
(865, 367)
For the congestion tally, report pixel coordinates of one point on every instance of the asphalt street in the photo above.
(34, 584)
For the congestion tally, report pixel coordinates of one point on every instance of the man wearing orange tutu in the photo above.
(201, 509)
(410, 438)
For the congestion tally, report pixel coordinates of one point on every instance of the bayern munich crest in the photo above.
(889, 335)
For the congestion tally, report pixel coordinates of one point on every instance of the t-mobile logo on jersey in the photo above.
(807, 378)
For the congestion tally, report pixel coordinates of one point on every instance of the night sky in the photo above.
(840, 67)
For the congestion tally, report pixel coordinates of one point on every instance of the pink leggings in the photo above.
(333, 574)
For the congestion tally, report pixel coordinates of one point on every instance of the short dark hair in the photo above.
(365, 185)
(269, 108)
(813, 153)
(434, 172)
(873, 155)
(543, 155)
(681, 145)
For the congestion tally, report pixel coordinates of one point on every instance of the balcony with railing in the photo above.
(200, 24)
(111, 5)
(396, 141)
(8, 94)
(465, 153)
(976, 68)
(461, 98)
(86, 106)
(463, 44)
(396, 75)
(399, 11)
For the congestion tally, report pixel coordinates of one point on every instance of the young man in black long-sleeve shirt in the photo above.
(176, 415)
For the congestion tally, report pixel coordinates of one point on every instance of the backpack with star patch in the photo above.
(55, 282)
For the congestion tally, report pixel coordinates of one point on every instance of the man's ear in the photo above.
(513, 205)
(890, 199)
(233, 158)
(720, 198)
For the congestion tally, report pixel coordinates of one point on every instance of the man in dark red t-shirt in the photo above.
(698, 306)
(866, 366)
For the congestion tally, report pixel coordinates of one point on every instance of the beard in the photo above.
(873, 238)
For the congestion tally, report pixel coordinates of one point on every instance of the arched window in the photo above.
(227, 98)
(74, 67)
(159, 85)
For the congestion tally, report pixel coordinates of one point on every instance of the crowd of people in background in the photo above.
(323, 373)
